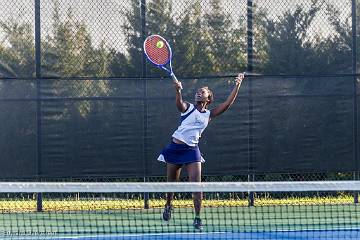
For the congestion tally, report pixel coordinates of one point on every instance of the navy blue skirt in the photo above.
(180, 154)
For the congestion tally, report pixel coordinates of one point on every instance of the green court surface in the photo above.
(215, 219)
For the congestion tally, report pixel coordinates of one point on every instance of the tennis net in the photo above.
(280, 210)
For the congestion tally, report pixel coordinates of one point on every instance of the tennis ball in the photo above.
(160, 44)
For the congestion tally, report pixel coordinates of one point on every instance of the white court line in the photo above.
(117, 235)
(110, 236)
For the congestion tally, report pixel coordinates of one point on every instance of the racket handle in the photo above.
(174, 78)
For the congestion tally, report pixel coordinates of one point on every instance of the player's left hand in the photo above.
(239, 78)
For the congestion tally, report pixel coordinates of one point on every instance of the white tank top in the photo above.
(192, 126)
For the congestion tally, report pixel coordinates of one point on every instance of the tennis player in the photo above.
(183, 151)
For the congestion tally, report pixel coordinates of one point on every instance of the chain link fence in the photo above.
(77, 96)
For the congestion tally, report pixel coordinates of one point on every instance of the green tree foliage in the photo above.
(69, 52)
(191, 58)
(260, 47)
(293, 49)
(222, 40)
(17, 59)
(159, 18)
(204, 43)
(17, 52)
(158, 21)
(336, 50)
(128, 65)
(289, 49)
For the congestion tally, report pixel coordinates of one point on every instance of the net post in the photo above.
(251, 200)
(356, 193)
(39, 203)
(146, 196)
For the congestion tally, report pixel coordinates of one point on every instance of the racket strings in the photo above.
(157, 50)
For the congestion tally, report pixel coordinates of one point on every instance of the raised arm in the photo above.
(230, 99)
(180, 104)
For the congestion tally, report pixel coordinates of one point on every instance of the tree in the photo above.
(17, 59)
(69, 52)
(336, 50)
(191, 58)
(223, 43)
(18, 50)
(289, 51)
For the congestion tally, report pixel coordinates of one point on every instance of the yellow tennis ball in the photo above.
(160, 44)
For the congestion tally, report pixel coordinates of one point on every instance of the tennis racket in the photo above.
(158, 51)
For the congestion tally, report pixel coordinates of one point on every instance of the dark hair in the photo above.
(211, 95)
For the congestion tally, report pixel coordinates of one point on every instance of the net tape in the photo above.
(96, 187)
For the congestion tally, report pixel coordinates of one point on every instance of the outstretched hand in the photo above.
(178, 85)
(239, 78)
